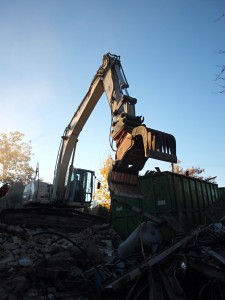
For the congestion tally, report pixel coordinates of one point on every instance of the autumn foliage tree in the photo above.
(102, 196)
(15, 156)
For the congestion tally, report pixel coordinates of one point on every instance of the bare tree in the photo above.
(193, 171)
(220, 77)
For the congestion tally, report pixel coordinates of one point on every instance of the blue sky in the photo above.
(50, 51)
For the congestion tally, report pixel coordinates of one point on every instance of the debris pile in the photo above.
(42, 264)
(96, 264)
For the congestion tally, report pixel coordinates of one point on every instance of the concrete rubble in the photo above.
(42, 264)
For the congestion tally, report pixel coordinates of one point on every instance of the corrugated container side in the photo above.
(222, 192)
(124, 219)
(167, 193)
(184, 197)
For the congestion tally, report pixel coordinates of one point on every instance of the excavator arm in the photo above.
(135, 143)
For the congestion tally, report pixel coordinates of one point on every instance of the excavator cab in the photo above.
(80, 188)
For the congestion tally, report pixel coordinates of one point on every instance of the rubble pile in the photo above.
(43, 263)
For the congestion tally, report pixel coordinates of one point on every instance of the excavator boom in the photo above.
(135, 143)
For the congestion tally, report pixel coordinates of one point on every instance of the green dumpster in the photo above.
(165, 193)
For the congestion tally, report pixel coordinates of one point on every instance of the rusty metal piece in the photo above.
(123, 178)
(124, 184)
(126, 190)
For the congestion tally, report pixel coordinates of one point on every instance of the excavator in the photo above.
(72, 188)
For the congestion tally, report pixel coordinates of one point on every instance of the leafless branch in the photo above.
(223, 15)
(221, 75)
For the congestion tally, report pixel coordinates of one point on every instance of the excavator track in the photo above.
(50, 217)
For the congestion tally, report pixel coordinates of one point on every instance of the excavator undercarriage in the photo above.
(50, 216)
